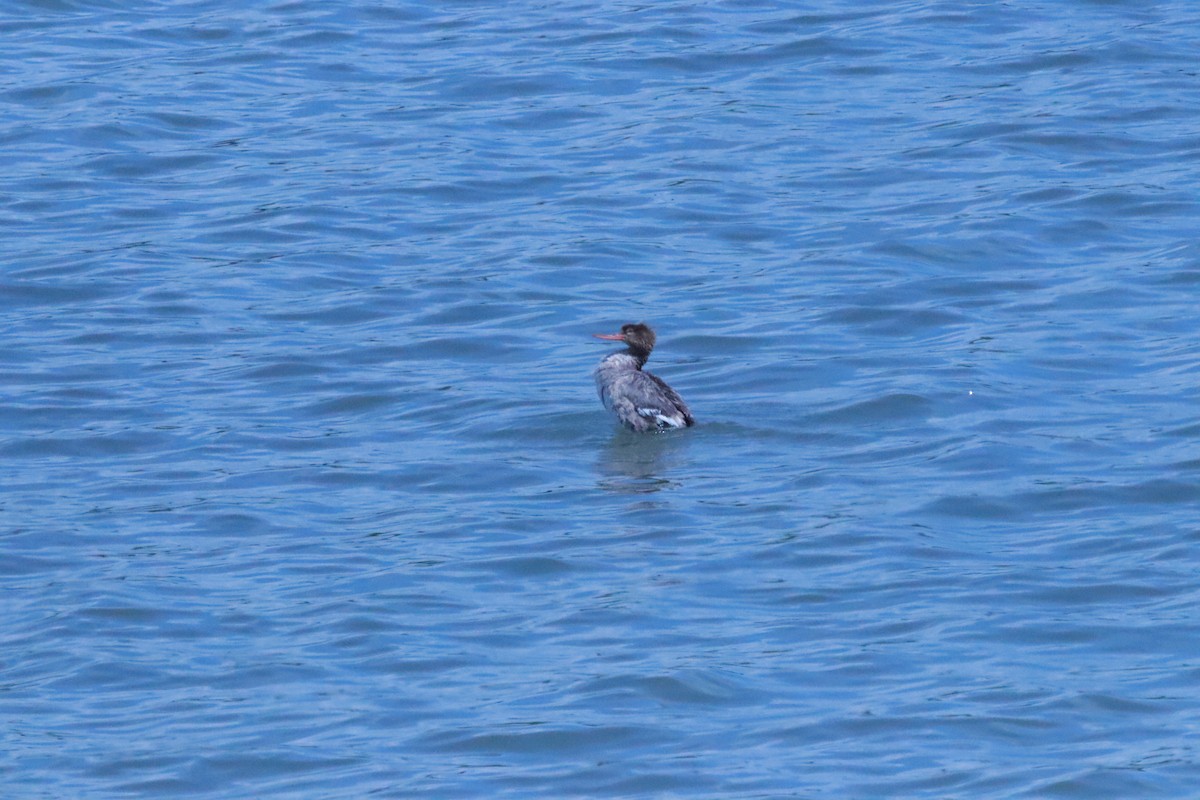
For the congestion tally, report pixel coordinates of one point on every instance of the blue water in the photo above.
(307, 492)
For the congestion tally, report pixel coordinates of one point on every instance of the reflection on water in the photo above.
(640, 463)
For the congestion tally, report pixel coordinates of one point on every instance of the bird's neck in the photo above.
(640, 355)
(622, 360)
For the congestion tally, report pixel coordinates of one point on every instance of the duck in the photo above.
(641, 400)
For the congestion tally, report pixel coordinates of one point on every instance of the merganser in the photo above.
(642, 401)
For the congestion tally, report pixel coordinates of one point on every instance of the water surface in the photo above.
(307, 492)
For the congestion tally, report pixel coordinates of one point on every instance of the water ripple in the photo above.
(309, 492)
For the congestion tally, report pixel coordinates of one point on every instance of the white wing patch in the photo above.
(660, 418)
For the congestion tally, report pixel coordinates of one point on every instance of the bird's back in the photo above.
(641, 400)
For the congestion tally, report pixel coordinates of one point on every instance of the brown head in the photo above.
(637, 336)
